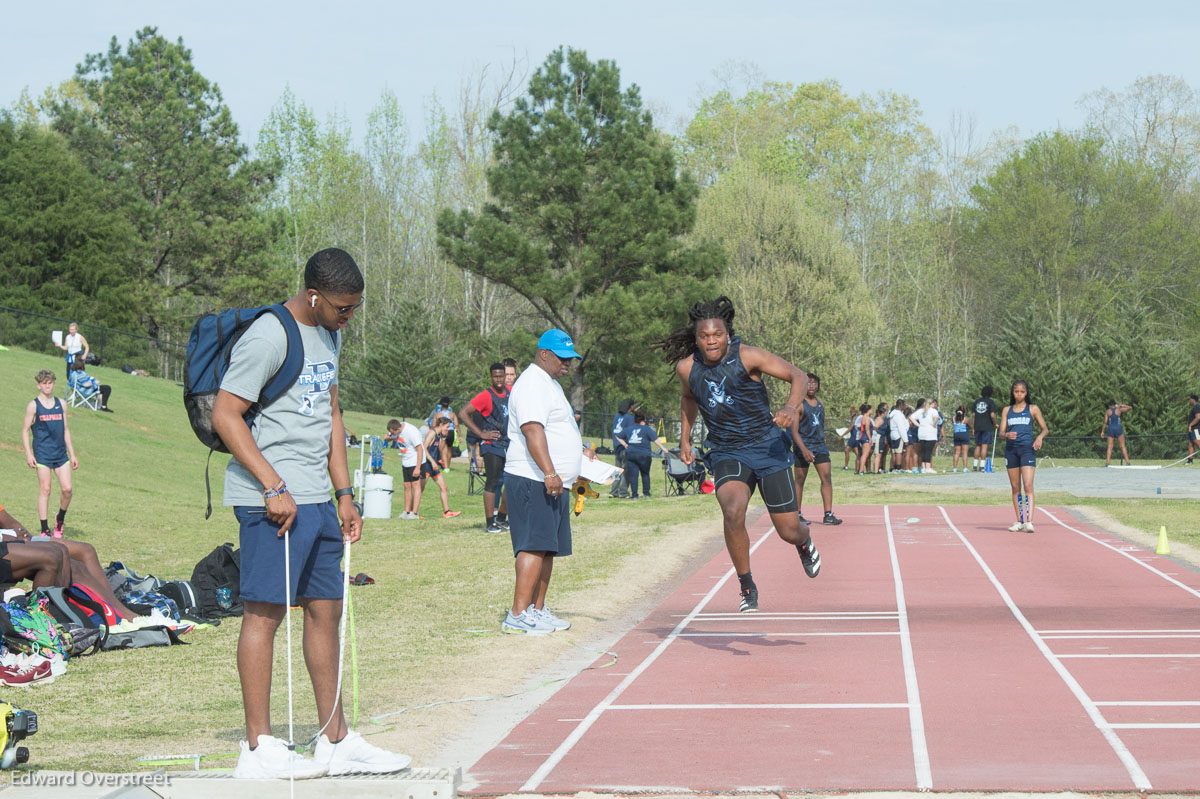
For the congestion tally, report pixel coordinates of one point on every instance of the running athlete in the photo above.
(1016, 427)
(1113, 431)
(486, 415)
(722, 379)
(48, 449)
(808, 439)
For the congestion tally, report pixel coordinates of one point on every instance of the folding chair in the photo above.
(475, 482)
(76, 398)
(679, 478)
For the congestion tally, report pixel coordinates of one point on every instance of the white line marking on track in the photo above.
(1150, 704)
(805, 633)
(558, 754)
(1142, 563)
(1047, 633)
(1140, 780)
(1158, 726)
(1123, 637)
(916, 721)
(1124, 655)
(810, 706)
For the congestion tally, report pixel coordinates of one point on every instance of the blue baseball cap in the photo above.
(558, 342)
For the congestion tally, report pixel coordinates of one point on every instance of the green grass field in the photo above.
(442, 585)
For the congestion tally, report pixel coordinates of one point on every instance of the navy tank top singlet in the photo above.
(47, 431)
(1022, 423)
(497, 420)
(812, 425)
(735, 407)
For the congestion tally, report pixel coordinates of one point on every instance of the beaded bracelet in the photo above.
(276, 491)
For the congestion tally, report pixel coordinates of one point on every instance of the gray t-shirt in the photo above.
(293, 432)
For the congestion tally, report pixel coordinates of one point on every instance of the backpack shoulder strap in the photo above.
(293, 361)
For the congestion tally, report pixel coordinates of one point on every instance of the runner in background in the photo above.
(486, 416)
(1016, 427)
(807, 438)
(984, 427)
(849, 439)
(962, 438)
(1113, 431)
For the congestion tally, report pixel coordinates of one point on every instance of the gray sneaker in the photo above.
(492, 527)
(547, 615)
(525, 624)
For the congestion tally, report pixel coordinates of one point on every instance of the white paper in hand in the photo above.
(56, 337)
(598, 471)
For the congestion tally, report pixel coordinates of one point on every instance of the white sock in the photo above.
(975, 462)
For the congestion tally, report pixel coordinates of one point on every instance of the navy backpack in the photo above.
(208, 352)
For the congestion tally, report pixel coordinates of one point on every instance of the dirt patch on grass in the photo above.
(518, 673)
(1179, 551)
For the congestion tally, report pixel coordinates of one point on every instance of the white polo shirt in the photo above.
(536, 397)
(412, 439)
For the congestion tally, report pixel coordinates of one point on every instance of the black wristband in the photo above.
(343, 492)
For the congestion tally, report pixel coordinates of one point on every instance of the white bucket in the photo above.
(377, 497)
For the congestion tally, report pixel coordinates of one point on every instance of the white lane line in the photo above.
(790, 633)
(1140, 780)
(1045, 633)
(916, 721)
(1162, 726)
(808, 706)
(834, 614)
(1120, 551)
(1125, 655)
(1150, 704)
(558, 754)
(1122, 637)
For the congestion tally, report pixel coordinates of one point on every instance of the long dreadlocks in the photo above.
(681, 343)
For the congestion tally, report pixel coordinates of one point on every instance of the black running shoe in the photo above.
(830, 519)
(810, 557)
(749, 600)
(502, 524)
(802, 519)
(492, 527)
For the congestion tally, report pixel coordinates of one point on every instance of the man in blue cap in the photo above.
(544, 455)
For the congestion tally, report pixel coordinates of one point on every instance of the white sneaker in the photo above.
(1029, 527)
(1016, 527)
(526, 623)
(547, 615)
(272, 760)
(353, 755)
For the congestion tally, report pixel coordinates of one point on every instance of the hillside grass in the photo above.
(441, 585)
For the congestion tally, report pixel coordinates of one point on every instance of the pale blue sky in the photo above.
(1008, 63)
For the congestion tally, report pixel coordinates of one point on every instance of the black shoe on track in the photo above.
(831, 519)
(749, 600)
(810, 557)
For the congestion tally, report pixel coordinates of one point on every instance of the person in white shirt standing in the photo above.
(897, 434)
(544, 455)
(412, 455)
(927, 419)
(74, 343)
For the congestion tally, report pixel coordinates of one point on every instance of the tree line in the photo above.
(852, 239)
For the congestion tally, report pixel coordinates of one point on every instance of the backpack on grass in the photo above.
(183, 594)
(208, 352)
(87, 628)
(217, 583)
(28, 627)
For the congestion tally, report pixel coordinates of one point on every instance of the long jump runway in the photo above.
(936, 651)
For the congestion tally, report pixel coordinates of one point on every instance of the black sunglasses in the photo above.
(342, 310)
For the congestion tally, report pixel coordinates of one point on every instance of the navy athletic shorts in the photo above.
(538, 522)
(1016, 455)
(984, 437)
(961, 439)
(315, 544)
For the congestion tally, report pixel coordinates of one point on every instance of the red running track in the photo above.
(944, 653)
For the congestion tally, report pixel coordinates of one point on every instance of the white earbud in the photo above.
(313, 301)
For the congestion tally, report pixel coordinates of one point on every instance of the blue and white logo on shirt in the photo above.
(717, 394)
(318, 377)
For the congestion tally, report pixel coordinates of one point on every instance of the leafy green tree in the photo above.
(587, 218)
(159, 133)
(794, 282)
(62, 245)
(1083, 237)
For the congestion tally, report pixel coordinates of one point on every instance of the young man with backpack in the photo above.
(278, 482)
